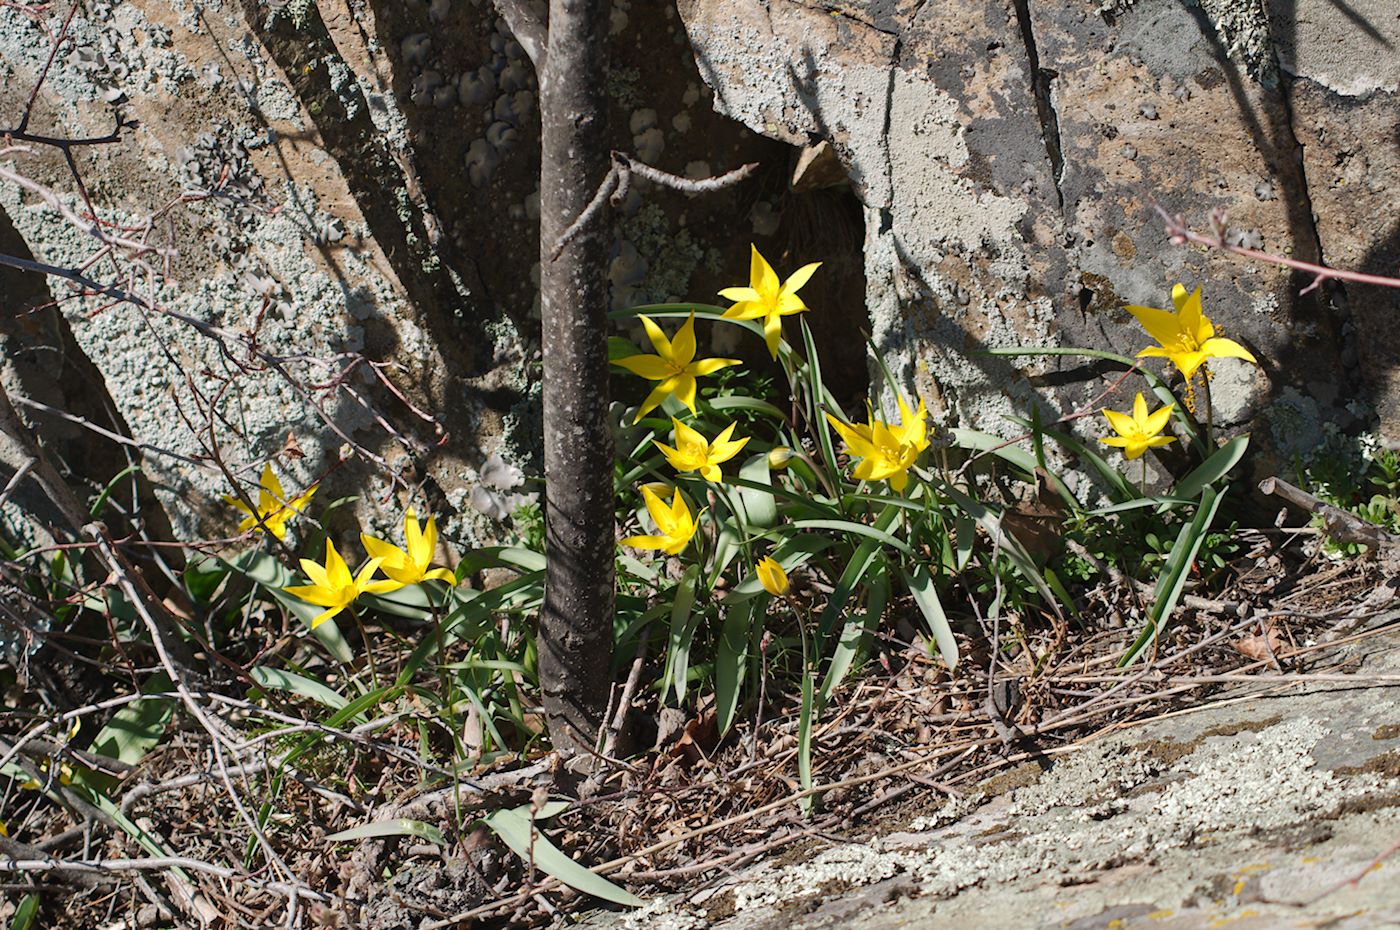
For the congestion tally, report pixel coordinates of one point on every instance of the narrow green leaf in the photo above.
(760, 509)
(966, 532)
(136, 728)
(98, 505)
(856, 635)
(24, 915)
(978, 441)
(683, 622)
(990, 521)
(1175, 572)
(853, 574)
(731, 661)
(856, 529)
(401, 826)
(274, 679)
(1213, 468)
(926, 596)
(515, 829)
(805, 722)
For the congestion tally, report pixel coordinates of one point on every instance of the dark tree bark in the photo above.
(575, 636)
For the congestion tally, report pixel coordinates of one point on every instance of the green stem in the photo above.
(1210, 410)
(369, 649)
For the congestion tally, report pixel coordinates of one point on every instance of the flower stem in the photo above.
(369, 649)
(1210, 410)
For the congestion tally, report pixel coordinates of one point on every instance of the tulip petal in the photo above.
(1162, 325)
(651, 367)
(800, 277)
(1220, 347)
(659, 342)
(762, 277)
(683, 346)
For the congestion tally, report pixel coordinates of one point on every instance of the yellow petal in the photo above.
(899, 481)
(1122, 424)
(1157, 420)
(659, 342)
(651, 367)
(762, 278)
(1193, 322)
(337, 572)
(710, 472)
(647, 542)
(315, 572)
(269, 483)
(739, 294)
(683, 346)
(1162, 325)
(387, 553)
(800, 277)
(314, 594)
(772, 576)
(772, 333)
(708, 366)
(441, 574)
(684, 390)
(654, 399)
(1220, 347)
(326, 615)
(1178, 296)
(1139, 410)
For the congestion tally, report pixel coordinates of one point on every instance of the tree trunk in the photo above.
(575, 637)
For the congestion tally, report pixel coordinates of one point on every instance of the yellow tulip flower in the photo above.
(693, 453)
(674, 365)
(766, 298)
(1139, 432)
(411, 566)
(772, 576)
(333, 587)
(886, 451)
(1187, 336)
(273, 507)
(674, 521)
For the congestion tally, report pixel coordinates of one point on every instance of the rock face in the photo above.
(376, 166)
(1250, 813)
(1006, 154)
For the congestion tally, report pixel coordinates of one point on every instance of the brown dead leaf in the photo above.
(1260, 647)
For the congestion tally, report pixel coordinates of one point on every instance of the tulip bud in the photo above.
(772, 576)
(778, 457)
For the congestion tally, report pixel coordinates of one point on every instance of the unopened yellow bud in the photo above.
(778, 457)
(772, 576)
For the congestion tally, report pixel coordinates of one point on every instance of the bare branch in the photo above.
(1181, 234)
(529, 30)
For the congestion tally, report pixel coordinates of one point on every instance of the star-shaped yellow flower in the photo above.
(674, 521)
(674, 365)
(410, 566)
(333, 587)
(1139, 432)
(765, 297)
(273, 506)
(886, 451)
(693, 453)
(1186, 336)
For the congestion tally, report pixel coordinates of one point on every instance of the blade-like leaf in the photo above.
(731, 661)
(926, 596)
(683, 623)
(1175, 572)
(760, 509)
(274, 679)
(136, 729)
(853, 574)
(401, 826)
(856, 634)
(1213, 468)
(515, 829)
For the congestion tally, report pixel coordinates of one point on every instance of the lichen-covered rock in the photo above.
(1343, 76)
(1007, 155)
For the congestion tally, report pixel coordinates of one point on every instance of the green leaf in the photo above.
(683, 622)
(967, 538)
(1213, 468)
(926, 596)
(990, 521)
(1175, 572)
(744, 402)
(525, 560)
(24, 915)
(731, 661)
(136, 728)
(856, 635)
(1116, 480)
(856, 529)
(273, 679)
(822, 402)
(806, 720)
(398, 827)
(515, 829)
(98, 505)
(760, 509)
(986, 443)
(854, 573)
